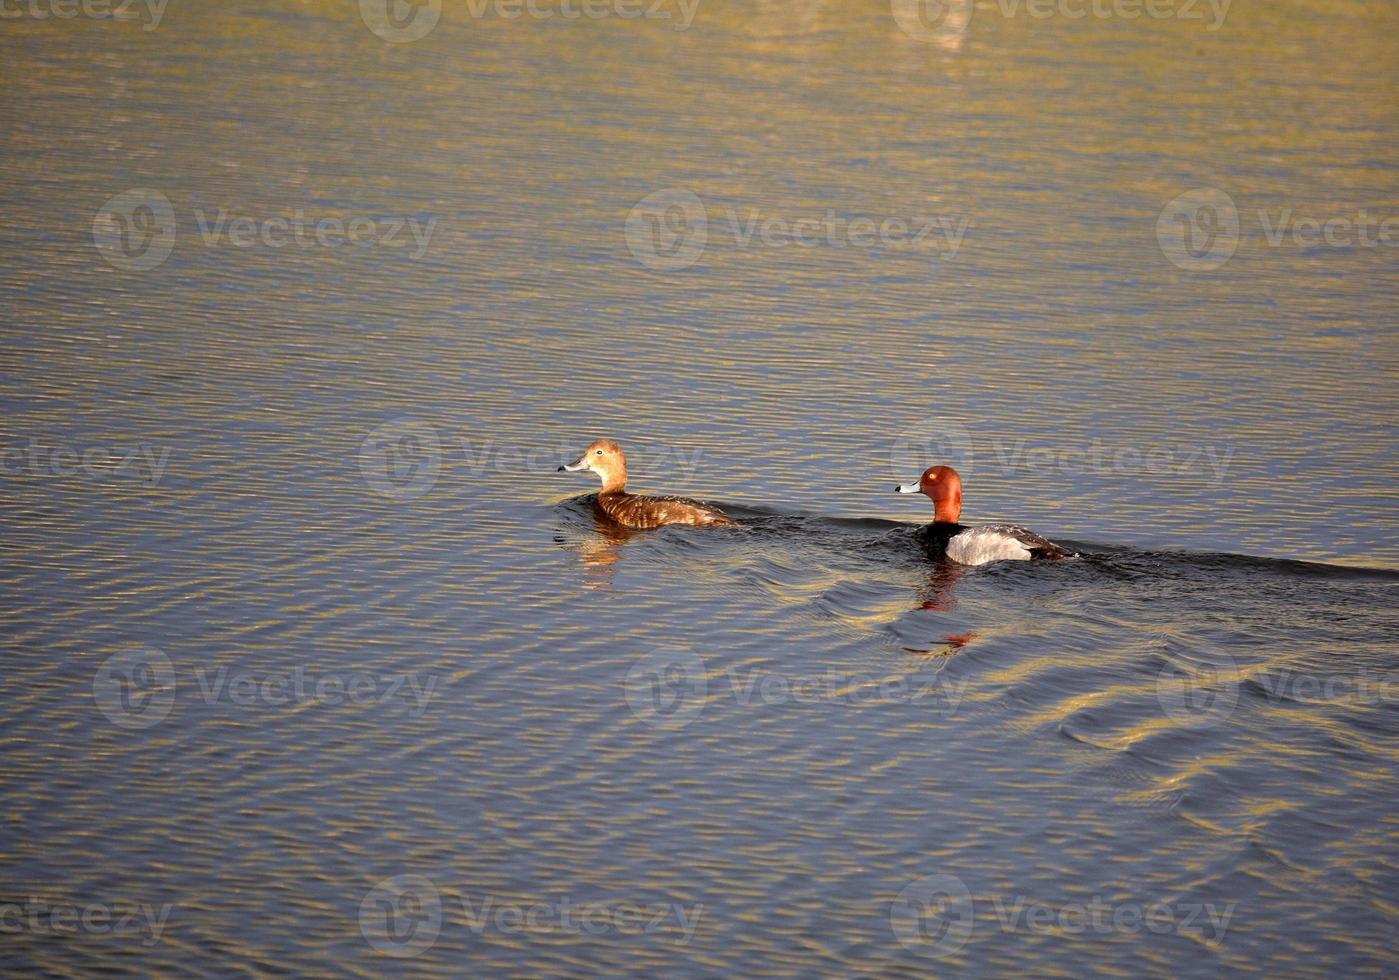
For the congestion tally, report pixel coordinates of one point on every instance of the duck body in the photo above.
(986, 543)
(972, 545)
(606, 459)
(643, 512)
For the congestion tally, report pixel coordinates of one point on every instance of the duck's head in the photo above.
(604, 457)
(943, 487)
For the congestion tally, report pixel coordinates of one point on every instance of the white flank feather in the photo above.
(977, 546)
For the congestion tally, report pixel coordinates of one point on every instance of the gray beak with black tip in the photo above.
(908, 488)
(582, 464)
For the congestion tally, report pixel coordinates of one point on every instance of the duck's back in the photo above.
(988, 542)
(636, 510)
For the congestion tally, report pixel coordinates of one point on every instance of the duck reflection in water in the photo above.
(602, 549)
(937, 595)
(598, 540)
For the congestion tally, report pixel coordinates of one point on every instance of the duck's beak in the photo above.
(582, 464)
(907, 488)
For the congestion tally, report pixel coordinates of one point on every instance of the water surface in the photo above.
(246, 473)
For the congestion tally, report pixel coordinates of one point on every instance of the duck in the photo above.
(606, 459)
(977, 545)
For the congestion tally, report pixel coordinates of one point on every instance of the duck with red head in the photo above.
(606, 459)
(944, 488)
(945, 537)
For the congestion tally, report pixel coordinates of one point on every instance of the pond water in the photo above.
(314, 663)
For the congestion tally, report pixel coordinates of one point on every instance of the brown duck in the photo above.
(605, 458)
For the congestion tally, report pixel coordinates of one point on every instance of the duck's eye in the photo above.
(599, 452)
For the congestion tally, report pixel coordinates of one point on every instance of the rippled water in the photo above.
(313, 662)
